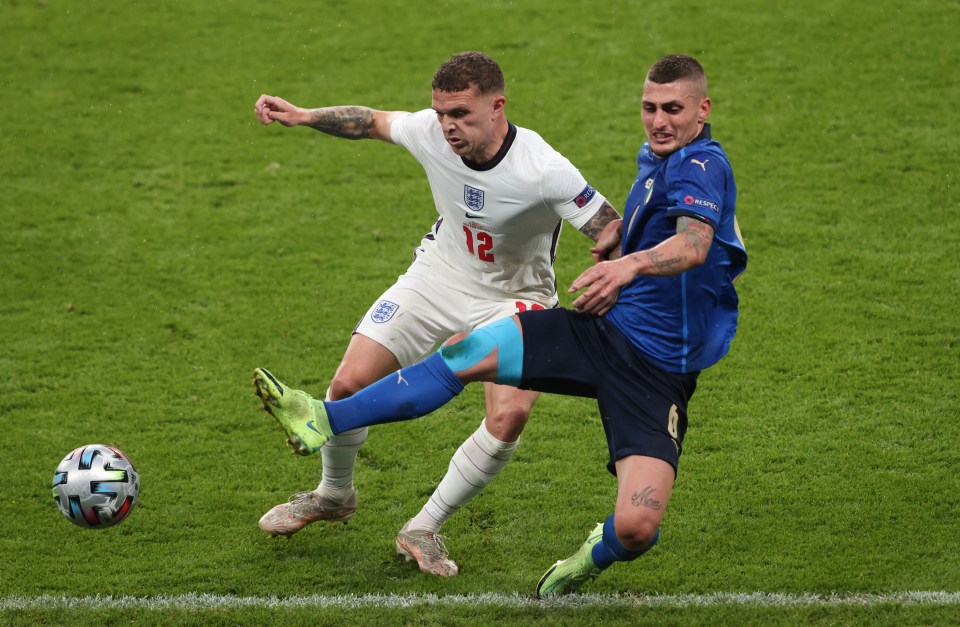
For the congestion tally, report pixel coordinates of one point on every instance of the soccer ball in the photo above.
(96, 486)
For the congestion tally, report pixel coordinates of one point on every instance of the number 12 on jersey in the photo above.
(483, 243)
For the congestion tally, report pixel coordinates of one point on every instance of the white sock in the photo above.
(339, 457)
(475, 464)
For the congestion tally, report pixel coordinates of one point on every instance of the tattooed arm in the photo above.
(349, 122)
(678, 253)
(604, 228)
(685, 250)
(595, 225)
(352, 122)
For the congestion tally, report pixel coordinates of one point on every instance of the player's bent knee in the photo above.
(507, 424)
(502, 336)
(343, 387)
(509, 418)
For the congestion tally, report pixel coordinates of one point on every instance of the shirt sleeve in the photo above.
(698, 187)
(568, 193)
(410, 130)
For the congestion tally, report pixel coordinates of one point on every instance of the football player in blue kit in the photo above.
(642, 329)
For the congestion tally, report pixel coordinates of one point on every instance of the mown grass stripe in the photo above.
(214, 601)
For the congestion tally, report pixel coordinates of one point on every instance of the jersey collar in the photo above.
(704, 133)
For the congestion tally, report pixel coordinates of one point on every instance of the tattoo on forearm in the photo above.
(659, 262)
(604, 216)
(347, 122)
(644, 498)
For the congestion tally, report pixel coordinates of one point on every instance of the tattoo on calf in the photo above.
(346, 122)
(644, 498)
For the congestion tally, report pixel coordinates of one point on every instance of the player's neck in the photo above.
(492, 148)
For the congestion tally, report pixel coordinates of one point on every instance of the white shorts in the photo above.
(426, 306)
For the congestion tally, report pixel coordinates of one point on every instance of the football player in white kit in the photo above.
(501, 193)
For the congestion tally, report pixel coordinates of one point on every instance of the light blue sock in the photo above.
(408, 393)
(609, 549)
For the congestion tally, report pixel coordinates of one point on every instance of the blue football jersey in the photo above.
(686, 322)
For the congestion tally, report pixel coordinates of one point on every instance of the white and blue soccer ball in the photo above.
(96, 486)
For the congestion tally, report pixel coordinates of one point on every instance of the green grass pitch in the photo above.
(157, 244)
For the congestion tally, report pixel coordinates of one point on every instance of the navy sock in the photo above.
(609, 549)
(408, 393)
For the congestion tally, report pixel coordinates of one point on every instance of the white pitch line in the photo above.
(216, 601)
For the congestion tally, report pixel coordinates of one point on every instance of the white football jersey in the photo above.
(500, 221)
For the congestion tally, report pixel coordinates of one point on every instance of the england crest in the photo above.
(473, 197)
(384, 311)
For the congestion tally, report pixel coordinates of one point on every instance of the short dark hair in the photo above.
(462, 70)
(674, 67)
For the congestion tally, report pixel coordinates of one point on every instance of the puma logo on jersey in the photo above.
(702, 164)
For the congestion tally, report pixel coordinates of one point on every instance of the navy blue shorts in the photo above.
(643, 407)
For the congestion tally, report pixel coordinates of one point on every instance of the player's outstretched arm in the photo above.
(353, 122)
(349, 122)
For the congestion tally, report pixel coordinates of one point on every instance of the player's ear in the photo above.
(704, 112)
(498, 103)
